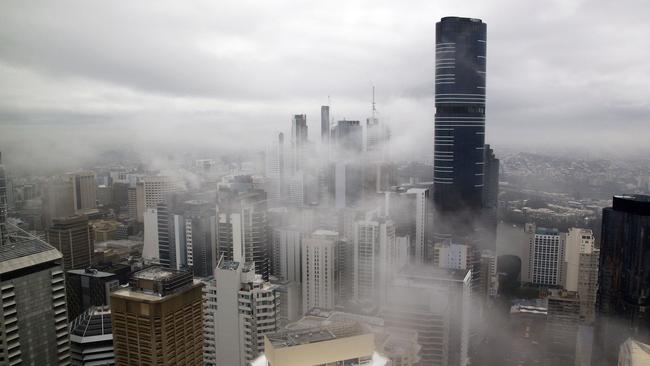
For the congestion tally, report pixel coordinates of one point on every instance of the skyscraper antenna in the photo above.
(373, 104)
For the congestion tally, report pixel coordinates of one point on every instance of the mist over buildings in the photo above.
(82, 79)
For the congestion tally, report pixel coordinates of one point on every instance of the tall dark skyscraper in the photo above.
(325, 124)
(459, 123)
(623, 278)
(4, 237)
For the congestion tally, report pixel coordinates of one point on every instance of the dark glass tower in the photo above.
(623, 302)
(459, 124)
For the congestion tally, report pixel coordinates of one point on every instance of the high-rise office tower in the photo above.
(4, 236)
(75, 239)
(436, 303)
(544, 260)
(623, 280)
(298, 141)
(171, 237)
(578, 241)
(209, 321)
(84, 191)
(286, 261)
(325, 125)
(158, 320)
(459, 124)
(200, 237)
(588, 284)
(246, 310)
(490, 200)
(562, 327)
(348, 136)
(408, 208)
(275, 170)
(91, 338)
(319, 270)
(88, 287)
(242, 230)
(33, 316)
(374, 242)
(58, 199)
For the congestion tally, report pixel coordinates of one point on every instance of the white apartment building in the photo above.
(544, 262)
(319, 270)
(246, 310)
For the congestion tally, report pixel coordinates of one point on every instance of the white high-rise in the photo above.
(287, 257)
(246, 310)
(319, 272)
(374, 239)
(578, 241)
(544, 262)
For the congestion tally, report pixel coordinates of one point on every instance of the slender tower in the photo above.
(459, 125)
(4, 236)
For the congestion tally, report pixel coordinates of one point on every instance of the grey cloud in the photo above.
(224, 74)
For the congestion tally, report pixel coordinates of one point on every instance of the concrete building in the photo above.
(88, 287)
(578, 241)
(299, 135)
(158, 319)
(435, 302)
(341, 343)
(4, 205)
(209, 321)
(58, 200)
(201, 237)
(286, 262)
(33, 316)
(319, 270)
(242, 232)
(74, 237)
(634, 353)
(91, 338)
(247, 309)
(452, 255)
(84, 190)
(588, 285)
(150, 250)
(374, 241)
(544, 262)
(562, 327)
(408, 208)
(275, 171)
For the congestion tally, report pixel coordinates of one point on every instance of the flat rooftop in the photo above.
(290, 338)
(25, 250)
(156, 273)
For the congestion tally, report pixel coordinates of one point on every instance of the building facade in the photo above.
(459, 124)
(319, 270)
(33, 315)
(158, 319)
(74, 237)
(623, 280)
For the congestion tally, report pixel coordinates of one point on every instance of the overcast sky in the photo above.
(90, 75)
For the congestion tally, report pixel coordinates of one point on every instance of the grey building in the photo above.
(88, 287)
(75, 239)
(33, 315)
(3, 204)
(459, 125)
(623, 277)
(91, 338)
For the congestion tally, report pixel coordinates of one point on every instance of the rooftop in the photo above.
(90, 272)
(27, 251)
(289, 338)
(156, 273)
(634, 203)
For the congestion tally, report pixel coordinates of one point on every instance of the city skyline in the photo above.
(224, 78)
(167, 196)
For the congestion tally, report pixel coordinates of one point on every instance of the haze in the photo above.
(82, 77)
